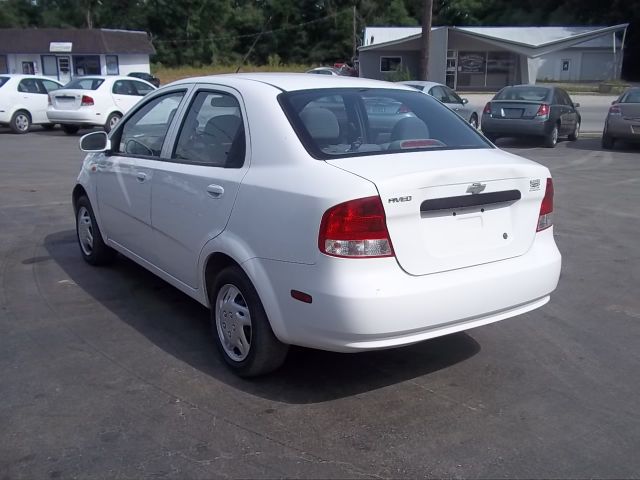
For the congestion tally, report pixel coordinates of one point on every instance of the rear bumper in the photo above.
(82, 116)
(515, 126)
(366, 304)
(621, 128)
(5, 116)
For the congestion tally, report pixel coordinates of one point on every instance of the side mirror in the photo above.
(576, 105)
(95, 142)
(465, 101)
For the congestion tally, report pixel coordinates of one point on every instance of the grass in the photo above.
(611, 86)
(170, 74)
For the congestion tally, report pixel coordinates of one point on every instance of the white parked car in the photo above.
(270, 199)
(95, 101)
(23, 101)
(450, 98)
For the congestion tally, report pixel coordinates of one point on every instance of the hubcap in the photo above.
(474, 122)
(85, 231)
(233, 322)
(22, 122)
(554, 136)
(114, 121)
(577, 132)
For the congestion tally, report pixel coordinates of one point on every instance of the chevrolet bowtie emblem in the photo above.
(476, 188)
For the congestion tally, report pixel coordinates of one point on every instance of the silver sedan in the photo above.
(447, 96)
(623, 119)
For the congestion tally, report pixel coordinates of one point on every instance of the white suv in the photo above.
(329, 212)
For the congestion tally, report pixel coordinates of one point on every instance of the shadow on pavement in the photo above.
(180, 326)
(595, 144)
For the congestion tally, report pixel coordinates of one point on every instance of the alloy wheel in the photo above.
(22, 122)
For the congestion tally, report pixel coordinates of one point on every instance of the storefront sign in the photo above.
(60, 47)
(471, 62)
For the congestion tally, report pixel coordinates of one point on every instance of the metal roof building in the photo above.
(487, 58)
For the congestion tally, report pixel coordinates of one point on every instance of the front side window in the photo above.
(349, 122)
(213, 132)
(30, 85)
(49, 86)
(144, 132)
(84, 84)
(142, 88)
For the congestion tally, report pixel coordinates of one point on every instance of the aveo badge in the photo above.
(400, 199)
(534, 185)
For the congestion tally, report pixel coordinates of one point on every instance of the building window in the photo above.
(86, 65)
(112, 65)
(28, 68)
(390, 64)
(49, 66)
(4, 68)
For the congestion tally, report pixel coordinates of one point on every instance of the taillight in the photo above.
(545, 220)
(355, 229)
(87, 101)
(615, 110)
(543, 110)
(487, 109)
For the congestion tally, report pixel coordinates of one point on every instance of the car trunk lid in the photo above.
(514, 108)
(67, 99)
(453, 209)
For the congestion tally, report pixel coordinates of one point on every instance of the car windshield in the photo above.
(85, 83)
(631, 97)
(3, 80)
(523, 93)
(350, 122)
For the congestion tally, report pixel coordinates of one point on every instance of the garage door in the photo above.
(597, 66)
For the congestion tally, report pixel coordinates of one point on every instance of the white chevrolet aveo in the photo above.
(336, 213)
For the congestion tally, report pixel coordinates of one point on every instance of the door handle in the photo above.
(141, 176)
(215, 191)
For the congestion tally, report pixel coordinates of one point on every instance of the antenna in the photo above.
(264, 28)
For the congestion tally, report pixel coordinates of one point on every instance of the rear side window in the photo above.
(537, 94)
(85, 83)
(30, 85)
(3, 80)
(212, 132)
(334, 123)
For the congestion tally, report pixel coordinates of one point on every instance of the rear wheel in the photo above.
(576, 133)
(241, 328)
(70, 129)
(608, 142)
(92, 247)
(473, 121)
(112, 121)
(20, 122)
(551, 140)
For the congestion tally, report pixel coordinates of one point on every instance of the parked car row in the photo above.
(85, 102)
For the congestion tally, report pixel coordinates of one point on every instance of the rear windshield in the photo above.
(3, 80)
(85, 83)
(350, 122)
(631, 97)
(523, 93)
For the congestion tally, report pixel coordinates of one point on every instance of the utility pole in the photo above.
(427, 13)
(355, 39)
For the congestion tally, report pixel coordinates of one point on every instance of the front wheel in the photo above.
(241, 328)
(92, 247)
(576, 133)
(551, 140)
(20, 122)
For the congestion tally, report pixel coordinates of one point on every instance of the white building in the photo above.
(487, 58)
(66, 53)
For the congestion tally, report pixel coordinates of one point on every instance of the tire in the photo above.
(608, 142)
(20, 122)
(70, 129)
(473, 121)
(49, 126)
(92, 247)
(241, 328)
(576, 133)
(551, 139)
(112, 121)
(491, 138)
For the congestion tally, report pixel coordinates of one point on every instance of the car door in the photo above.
(194, 192)
(125, 175)
(455, 103)
(566, 112)
(33, 97)
(572, 117)
(124, 95)
(47, 86)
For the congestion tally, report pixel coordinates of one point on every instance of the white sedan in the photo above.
(272, 199)
(23, 101)
(95, 101)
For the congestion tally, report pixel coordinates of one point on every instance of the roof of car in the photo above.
(297, 81)
(22, 75)
(422, 83)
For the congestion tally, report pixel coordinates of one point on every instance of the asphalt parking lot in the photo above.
(110, 372)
